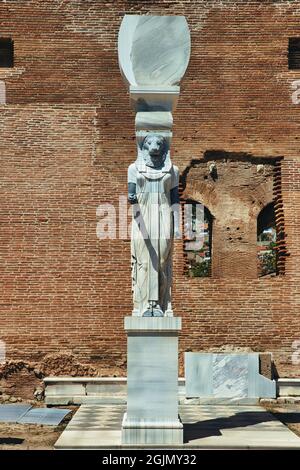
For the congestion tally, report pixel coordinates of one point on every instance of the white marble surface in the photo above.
(221, 376)
(152, 381)
(84, 379)
(289, 387)
(155, 324)
(152, 178)
(65, 389)
(230, 375)
(109, 390)
(214, 427)
(148, 99)
(152, 369)
(140, 432)
(153, 50)
(153, 120)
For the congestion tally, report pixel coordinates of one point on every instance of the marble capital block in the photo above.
(152, 380)
(153, 50)
(154, 53)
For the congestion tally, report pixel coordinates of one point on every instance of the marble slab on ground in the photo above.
(25, 414)
(45, 416)
(12, 413)
(226, 375)
(205, 426)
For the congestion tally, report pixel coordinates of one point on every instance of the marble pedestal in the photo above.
(152, 378)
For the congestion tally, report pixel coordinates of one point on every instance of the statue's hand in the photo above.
(132, 199)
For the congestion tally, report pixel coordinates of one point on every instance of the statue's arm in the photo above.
(175, 195)
(132, 199)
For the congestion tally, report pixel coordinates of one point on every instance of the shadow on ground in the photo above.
(212, 427)
(11, 441)
(290, 417)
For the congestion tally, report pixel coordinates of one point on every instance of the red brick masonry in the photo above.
(66, 140)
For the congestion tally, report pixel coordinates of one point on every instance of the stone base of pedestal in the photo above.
(151, 433)
(152, 380)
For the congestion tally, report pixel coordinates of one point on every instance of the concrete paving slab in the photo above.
(205, 426)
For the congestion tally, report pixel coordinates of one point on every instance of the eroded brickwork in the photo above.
(235, 193)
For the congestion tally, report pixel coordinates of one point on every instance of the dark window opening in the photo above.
(266, 241)
(6, 52)
(197, 239)
(294, 53)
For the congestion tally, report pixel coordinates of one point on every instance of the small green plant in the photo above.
(268, 260)
(200, 269)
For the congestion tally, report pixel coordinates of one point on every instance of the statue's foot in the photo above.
(157, 312)
(147, 313)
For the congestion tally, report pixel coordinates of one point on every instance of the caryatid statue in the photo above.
(153, 191)
(153, 55)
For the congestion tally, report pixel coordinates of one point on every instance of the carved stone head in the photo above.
(154, 150)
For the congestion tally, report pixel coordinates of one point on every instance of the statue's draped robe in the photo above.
(152, 235)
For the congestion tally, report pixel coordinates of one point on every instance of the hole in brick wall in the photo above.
(266, 241)
(294, 53)
(6, 52)
(235, 239)
(198, 223)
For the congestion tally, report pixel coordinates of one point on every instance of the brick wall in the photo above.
(237, 193)
(67, 137)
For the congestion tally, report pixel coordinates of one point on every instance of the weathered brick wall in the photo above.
(67, 137)
(237, 193)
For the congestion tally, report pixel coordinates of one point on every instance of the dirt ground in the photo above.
(288, 414)
(39, 437)
(31, 436)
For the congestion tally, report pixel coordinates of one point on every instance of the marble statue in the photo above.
(154, 53)
(153, 191)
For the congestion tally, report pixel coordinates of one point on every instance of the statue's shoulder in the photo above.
(175, 176)
(132, 166)
(132, 173)
(175, 169)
